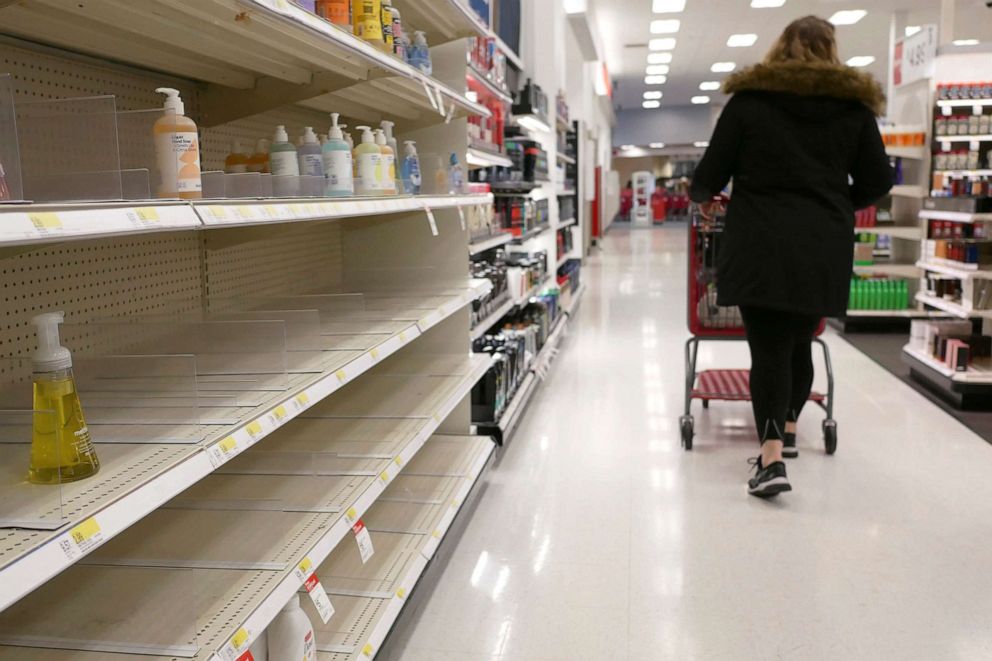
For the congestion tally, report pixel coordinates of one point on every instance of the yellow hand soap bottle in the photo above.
(61, 447)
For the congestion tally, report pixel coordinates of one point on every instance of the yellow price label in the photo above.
(303, 399)
(240, 638)
(375, 354)
(254, 428)
(437, 418)
(402, 337)
(218, 212)
(305, 566)
(147, 214)
(399, 461)
(244, 212)
(368, 650)
(436, 534)
(279, 412)
(401, 593)
(271, 211)
(228, 444)
(342, 377)
(85, 530)
(351, 513)
(46, 221)
(384, 476)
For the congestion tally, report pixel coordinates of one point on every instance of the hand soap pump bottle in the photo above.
(259, 160)
(291, 634)
(237, 161)
(387, 128)
(368, 163)
(310, 157)
(177, 148)
(411, 168)
(388, 181)
(338, 171)
(61, 447)
(455, 176)
(282, 155)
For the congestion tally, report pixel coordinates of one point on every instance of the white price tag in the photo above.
(450, 113)
(977, 110)
(82, 539)
(974, 145)
(364, 540)
(430, 95)
(947, 111)
(440, 100)
(431, 220)
(461, 217)
(319, 597)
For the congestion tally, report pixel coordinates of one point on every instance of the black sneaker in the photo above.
(769, 480)
(789, 449)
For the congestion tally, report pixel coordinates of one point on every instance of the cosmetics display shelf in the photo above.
(28, 224)
(567, 223)
(503, 428)
(972, 375)
(477, 157)
(954, 269)
(534, 232)
(893, 269)
(446, 20)
(565, 158)
(146, 464)
(907, 190)
(490, 86)
(915, 153)
(483, 326)
(482, 245)
(964, 138)
(913, 233)
(955, 309)
(289, 503)
(955, 216)
(533, 291)
(236, 44)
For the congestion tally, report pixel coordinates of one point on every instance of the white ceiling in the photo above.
(706, 25)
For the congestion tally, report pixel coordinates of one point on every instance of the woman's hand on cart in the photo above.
(710, 210)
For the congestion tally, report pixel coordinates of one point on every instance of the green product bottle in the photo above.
(852, 296)
(875, 295)
(904, 294)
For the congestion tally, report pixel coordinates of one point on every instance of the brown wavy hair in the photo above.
(808, 39)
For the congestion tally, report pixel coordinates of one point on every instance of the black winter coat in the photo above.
(804, 151)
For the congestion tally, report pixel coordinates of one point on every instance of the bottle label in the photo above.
(389, 172)
(311, 165)
(283, 163)
(338, 172)
(309, 647)
(369, 173)
(178, 162)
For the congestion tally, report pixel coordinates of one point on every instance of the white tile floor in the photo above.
(596, 537)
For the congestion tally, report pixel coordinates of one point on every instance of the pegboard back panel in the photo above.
(94, 280)
(265, 261)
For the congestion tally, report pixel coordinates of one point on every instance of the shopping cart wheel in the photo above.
(830, 436)
(686, 423)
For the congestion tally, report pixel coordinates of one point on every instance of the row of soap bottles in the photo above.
(366, 169)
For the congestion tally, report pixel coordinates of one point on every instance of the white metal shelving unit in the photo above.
(220, 517)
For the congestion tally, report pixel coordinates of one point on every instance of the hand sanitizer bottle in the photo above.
(338, 170)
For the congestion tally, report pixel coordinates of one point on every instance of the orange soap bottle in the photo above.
(177, 147)
(335, 11)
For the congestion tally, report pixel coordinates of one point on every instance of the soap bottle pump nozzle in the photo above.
(51, 355)
(172, 100)
(367, 137)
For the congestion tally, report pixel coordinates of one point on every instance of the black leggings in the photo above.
(781, 366)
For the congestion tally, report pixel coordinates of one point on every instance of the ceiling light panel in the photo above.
(668, 6)
(665, 26)
(699, 100)
(651, 105)
(655, 80)
(659, 58)
(723, 67)
(709, 86)
(742, 40)
(652, 95)
(848, 16)
(767, 4)
(860, 61)
(665, 43)
(656, 69)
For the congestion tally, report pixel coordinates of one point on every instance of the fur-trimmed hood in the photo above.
(810, 80)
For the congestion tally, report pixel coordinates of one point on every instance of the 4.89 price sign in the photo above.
(914, 56)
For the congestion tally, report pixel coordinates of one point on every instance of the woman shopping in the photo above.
(800, 141)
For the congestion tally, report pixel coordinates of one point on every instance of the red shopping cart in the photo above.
(709, 321)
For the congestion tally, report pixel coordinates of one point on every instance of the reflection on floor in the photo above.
(596, 537)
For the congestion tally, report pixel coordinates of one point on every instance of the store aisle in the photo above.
(596, 537)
